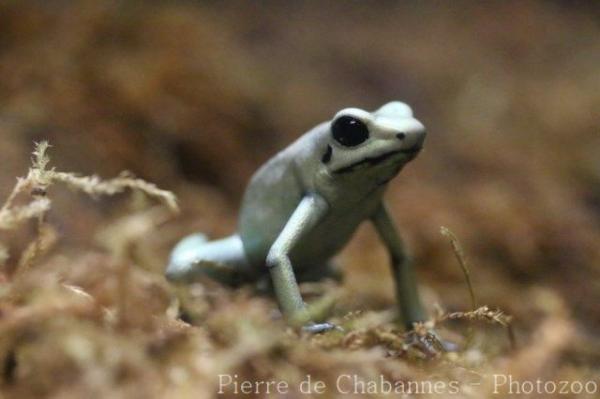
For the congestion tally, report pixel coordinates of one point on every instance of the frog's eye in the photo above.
(349, 131)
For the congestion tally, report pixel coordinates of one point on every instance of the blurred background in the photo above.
(194, 96)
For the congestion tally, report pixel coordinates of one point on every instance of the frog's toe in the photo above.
(443, 344)
(426, 344)
(449, 346)
(430, 343)
(317, 328)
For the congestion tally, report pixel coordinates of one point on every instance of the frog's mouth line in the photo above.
(371, 161)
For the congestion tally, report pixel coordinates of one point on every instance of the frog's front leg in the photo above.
(309, 212)
(402, 268)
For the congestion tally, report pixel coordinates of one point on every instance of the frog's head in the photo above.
(378, 143)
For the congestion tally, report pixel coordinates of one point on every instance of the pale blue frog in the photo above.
(303, 205)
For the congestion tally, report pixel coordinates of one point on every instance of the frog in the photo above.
(304, 205)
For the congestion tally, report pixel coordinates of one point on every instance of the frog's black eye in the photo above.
(349, 131)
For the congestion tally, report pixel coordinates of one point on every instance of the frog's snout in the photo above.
(412, 135)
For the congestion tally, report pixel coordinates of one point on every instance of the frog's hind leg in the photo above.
(223, 260)
(328, 270)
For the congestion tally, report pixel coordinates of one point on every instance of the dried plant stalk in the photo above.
(26, 316)
(22, 184)
(39, 178)
(460, 256)
(37, 181)
(12, 217)
(44, 241)
(3, 255)
(94, 186)
(482, 314)
(122, 294)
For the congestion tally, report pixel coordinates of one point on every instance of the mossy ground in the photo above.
(194, 97)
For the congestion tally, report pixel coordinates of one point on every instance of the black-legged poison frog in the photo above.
(303, 205)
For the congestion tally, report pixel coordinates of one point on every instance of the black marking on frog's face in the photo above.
(373, 143)
(327, 156)
(372, 161)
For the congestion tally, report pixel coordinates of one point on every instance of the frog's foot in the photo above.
(445, 345)
(449, 346)
(317, 328)
(194, 257)
(429, 343)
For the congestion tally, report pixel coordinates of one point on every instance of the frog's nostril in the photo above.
(401, 136)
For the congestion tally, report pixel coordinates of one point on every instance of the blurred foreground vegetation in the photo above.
(195, 96)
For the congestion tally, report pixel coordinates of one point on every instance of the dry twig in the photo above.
(95, 186)
(481, 314)
(37, 181)
(3, 255)
(12, 217)
(460, 256)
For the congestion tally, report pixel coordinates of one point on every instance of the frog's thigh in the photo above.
(223, 260)
(329, 269)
